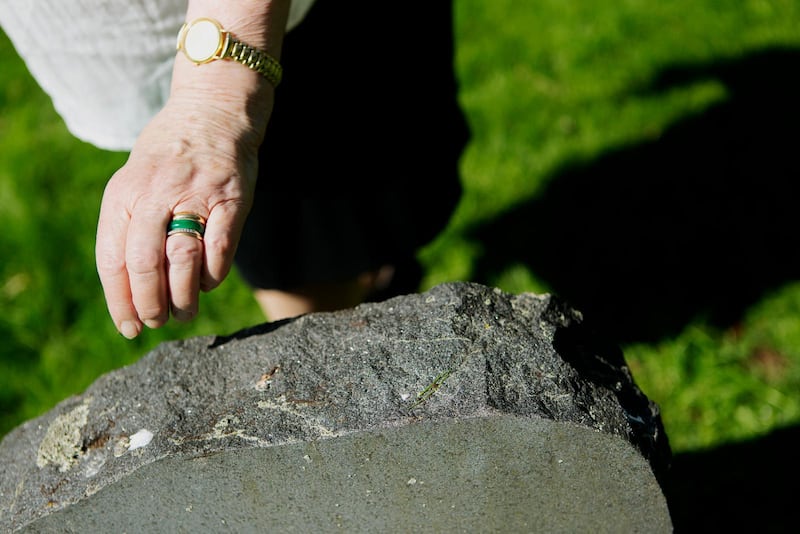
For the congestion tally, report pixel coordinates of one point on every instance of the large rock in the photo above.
(458, 409)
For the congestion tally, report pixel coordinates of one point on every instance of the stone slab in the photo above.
(460, 356)
(489, 474)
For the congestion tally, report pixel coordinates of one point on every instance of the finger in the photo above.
(112, 229)
(223, 230)
(184, 265)
(145, 260)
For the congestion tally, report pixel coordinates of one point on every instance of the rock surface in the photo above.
(451, 410)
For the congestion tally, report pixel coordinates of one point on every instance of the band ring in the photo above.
(186, 222)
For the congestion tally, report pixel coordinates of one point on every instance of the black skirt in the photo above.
(359, 166)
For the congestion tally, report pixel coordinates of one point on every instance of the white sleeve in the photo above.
(107, 65)
(297, 12)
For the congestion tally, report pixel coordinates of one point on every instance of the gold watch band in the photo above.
(259, 61)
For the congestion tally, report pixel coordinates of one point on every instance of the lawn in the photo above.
(631, 157)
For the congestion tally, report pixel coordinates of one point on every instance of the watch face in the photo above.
(202, 40)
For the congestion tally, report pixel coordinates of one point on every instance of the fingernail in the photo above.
(152, 323)
(129, 329)
(183, 315)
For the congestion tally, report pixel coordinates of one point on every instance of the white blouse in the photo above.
(106, 88)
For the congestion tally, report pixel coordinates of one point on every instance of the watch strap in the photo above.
(255, 59)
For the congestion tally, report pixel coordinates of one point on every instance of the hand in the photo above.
(192, 157)
(199, 155)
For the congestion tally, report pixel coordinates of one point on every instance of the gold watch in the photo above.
(204, 40)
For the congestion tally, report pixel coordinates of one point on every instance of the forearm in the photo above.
(243, 95)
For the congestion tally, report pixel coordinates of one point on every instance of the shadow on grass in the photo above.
(743, 487)
(698, 223)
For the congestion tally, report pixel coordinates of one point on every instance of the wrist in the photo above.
(227, 92)
(259, 23)
(214, 111)
(204, 40)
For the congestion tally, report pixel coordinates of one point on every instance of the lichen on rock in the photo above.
(61, 444)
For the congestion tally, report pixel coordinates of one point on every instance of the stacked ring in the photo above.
(187, 223)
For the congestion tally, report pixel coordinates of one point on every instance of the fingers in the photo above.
(224, 228)
(184, 252)
(145, 274)
(145, 263)
(110, 257)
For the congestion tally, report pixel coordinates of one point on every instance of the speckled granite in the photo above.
(451, 410)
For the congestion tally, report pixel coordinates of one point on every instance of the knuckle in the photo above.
(184, 251)
(144, 261)
(109, 267)
(221, 245)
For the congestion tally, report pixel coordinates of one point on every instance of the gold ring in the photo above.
(186, 222)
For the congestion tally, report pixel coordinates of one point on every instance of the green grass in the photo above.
(545, 85)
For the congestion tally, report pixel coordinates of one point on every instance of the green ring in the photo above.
(186, 224)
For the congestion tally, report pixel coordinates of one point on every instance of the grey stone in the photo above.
(459, 409)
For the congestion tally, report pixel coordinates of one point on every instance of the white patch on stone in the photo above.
(225, 428)
(121, 446)
(94, 463)
(141, 439)
(633, 418)
(284, 406)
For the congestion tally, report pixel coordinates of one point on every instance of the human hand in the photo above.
(198, 155)
(192, 157)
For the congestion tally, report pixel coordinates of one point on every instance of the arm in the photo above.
(199, 154)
